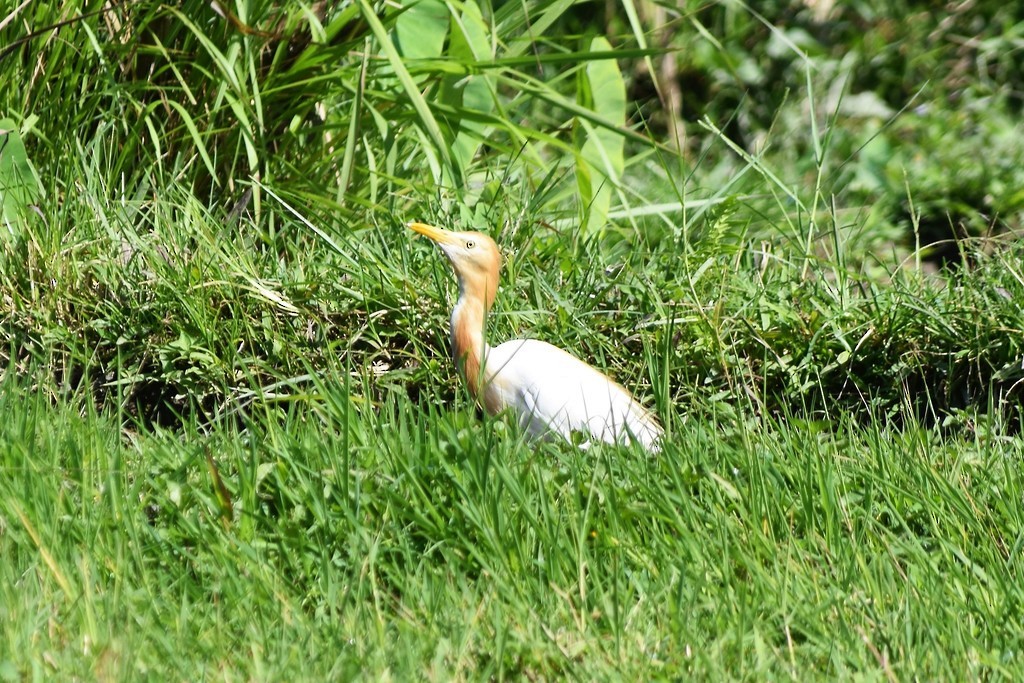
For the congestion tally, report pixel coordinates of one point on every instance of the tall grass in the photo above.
(235, 446)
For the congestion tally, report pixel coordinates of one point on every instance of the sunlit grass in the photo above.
(234, 445)
(351, 542)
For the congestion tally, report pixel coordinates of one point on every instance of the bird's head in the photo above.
(475, 258)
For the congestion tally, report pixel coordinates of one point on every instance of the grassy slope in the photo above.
(230, 448)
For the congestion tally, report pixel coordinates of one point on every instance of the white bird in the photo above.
(548, 390)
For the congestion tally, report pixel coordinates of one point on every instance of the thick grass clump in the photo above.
(234, 444)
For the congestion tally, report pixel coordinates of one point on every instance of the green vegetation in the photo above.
(234, 446)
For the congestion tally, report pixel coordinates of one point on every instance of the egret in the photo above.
(549, 391)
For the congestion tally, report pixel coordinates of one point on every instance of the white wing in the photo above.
(553, 392)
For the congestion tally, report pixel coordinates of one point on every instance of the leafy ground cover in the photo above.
(234, 446)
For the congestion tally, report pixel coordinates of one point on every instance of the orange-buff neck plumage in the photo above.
(549, 390)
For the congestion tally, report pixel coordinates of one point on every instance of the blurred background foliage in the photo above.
(921, 102)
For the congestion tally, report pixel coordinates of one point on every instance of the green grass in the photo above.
(234, 446)
(404, 542)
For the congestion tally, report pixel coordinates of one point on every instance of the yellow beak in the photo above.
(439, 235)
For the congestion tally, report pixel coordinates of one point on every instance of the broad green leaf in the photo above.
(537, 89)
(421, 29)
(474, 93)
(600, 162)
(438, 146)
(19, 183)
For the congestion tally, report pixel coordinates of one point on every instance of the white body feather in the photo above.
(551, 391)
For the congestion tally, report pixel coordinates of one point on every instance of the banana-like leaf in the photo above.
(437, 143)
(473, 93)
(420, 30)
(19, 183)
(600, 162)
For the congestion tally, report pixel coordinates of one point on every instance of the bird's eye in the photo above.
(470, 244)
